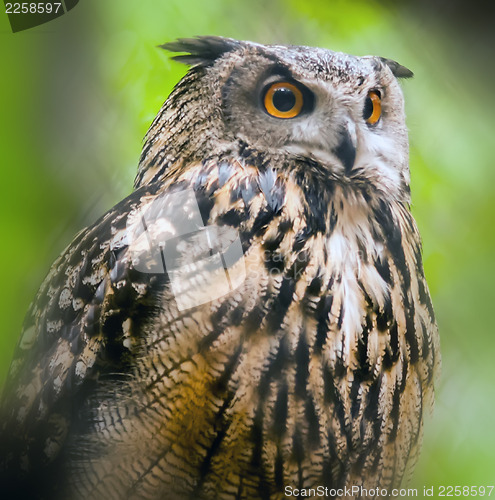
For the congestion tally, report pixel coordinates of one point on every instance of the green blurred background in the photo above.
(77, 96)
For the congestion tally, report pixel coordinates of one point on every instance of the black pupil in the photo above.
(284, 99)
(368, 108)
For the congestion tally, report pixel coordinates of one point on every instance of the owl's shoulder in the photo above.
(87, 317)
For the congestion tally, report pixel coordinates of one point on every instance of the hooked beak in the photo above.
(346, 150)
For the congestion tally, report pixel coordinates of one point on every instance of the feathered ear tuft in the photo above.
(398, 70)
(201, 51)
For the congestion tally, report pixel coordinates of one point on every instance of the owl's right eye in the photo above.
(283, 100)
(372, 107)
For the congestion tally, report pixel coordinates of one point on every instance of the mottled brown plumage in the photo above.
(315, 370)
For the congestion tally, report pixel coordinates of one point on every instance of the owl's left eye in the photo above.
(283, 100)
(372, 107)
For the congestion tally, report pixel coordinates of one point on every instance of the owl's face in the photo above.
(342, 113)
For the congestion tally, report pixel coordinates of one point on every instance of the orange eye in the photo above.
(372, 107)
(283, 100)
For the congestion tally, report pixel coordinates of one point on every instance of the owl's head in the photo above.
(337, 116)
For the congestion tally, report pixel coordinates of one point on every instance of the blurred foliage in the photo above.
(79, 93)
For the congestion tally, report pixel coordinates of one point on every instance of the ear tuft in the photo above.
(398, 70)
(201, 51)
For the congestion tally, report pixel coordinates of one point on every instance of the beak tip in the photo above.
(346, 151)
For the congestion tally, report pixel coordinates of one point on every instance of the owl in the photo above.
(253, 320)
